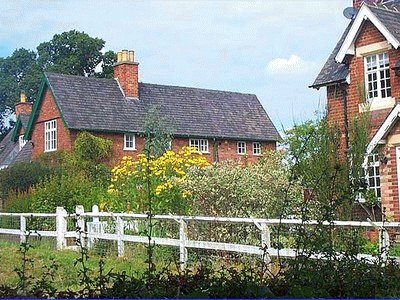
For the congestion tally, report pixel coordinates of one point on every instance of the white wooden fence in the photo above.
(89, 226)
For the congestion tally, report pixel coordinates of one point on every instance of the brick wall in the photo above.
(226, 149)
(48, 111)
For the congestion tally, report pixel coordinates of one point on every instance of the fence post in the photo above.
(61, 227)
(265, 241)
(183, 254)
(92, 227)
(80, 223)
(22, 224)
(384, 243)
(120, 232)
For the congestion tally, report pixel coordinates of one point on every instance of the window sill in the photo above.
(376, 104)
(46, 151)
(254, 154)
(130, 149)
(242, 154)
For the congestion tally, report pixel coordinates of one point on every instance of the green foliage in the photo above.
(18, 202)
(92, 148)
(158, 132)
(232, 190)
(60, 178)
(66, 190)
(334, 179)
(21, 176)
(71, 52)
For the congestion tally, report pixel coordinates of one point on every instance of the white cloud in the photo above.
(292, 65)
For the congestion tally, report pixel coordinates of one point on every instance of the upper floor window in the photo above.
(50, 136)
(377, 76)
(21, 141)
(256, 148)
(241, 147)
(200, 144)
(372, 176)
(129, 141)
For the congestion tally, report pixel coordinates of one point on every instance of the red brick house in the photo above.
(363, 74)
(222, 125)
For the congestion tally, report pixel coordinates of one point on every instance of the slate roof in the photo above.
(97, 104)
(333, 72)
(8, 150)
(25, 155)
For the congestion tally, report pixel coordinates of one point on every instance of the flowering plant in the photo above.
(133, 181)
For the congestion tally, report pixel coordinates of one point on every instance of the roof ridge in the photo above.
(384, 8)
(79, 76)
(196, 88)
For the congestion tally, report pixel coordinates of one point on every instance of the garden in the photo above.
(161, 181)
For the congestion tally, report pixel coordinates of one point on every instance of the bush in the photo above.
(66, 190)
(92, 148)
(20, 177)
(233, 190)
(61, 178)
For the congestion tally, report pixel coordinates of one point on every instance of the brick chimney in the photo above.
(126, 73)
(357, 3)
(23, 107)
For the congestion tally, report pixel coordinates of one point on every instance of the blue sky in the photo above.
(273, 49)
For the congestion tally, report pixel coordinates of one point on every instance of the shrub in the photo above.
(21, 176)
(77, 178)
(233, 190)
(66, 190)
(92, 148)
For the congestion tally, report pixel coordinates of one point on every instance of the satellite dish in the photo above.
(350, 12)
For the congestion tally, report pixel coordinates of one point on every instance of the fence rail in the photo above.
(90, 227)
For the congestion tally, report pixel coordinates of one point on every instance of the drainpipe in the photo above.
(346, 118)
(215, 150)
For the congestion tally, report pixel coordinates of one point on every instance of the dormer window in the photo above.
(377, 76)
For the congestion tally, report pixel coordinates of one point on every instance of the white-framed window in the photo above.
(256, 148)
(21, 141)
(372, 174)
(129, 141)
(200, 144)
(241, 147)
(50, 136)
(377, 76)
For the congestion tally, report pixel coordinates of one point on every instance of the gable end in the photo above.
(364, 14)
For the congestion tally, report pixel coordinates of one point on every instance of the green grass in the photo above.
(67, 274)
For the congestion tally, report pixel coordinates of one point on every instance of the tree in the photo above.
(71, 52)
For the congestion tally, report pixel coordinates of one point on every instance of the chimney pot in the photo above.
(131, 56)
(22, 97)
(119, 56)
(124, 55)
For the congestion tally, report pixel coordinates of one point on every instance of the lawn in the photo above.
(43, 253)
